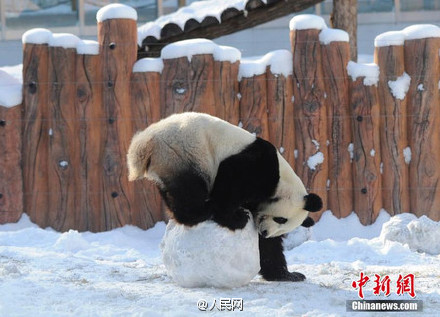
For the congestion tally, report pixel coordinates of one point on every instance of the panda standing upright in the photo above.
(206, 168)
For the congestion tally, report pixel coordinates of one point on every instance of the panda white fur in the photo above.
(206, 168)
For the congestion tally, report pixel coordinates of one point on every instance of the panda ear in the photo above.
(313, 202)
(308, 222)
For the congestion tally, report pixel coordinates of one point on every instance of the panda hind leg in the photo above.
(273, 263)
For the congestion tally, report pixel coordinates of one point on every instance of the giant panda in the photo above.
(206, 168)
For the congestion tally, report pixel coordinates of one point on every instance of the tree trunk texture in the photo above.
(393, 114)
(344, 16)
(335, 57)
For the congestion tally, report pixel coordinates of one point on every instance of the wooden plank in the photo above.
(366, 151)
(145, 103)
(226, 89)
(92, 131)
(422, 64)
(117, 39)
(393, 131)
(188, 85)
(11, 182)
(280, 114)
(335, 57)
(64, 161)
(310, 113)
(253, 105)
(35, 132)
(234, 24)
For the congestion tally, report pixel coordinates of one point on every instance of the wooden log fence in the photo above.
(349, 135)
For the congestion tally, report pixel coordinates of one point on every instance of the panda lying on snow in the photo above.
(206, 168)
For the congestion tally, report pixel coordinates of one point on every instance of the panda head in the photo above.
(289, 207)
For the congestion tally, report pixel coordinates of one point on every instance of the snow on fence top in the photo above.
(421, 31)
(148, 64)
(389, 39)
(116, 11)
(189, 48)
(87, 47)
(326, 36)
(369, 71)
(65, 40)
(307, 21)
(10, 90)
(37, 36)
(280, 62)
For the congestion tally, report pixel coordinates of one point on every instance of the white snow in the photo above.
(148, 64)
(391, 38)
(407, 155)
(421, 31)
(307, 21)
(198, 11)
(369, 71)
(65, 40)
(87, 47)
(314, 160)
(227, 54)
(208, 255)
(350, 150)
(373, 153)
(400, 86)
(36, 36)
(279, 62)
(10, 90)
(189, 48)
(121, 272)
(326, 36)
(116, 11)
(420, 87)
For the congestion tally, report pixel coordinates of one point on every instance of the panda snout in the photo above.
(313, 202)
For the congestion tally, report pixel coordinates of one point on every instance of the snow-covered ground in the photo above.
(119, 273)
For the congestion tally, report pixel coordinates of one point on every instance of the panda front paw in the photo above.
(287, 277)
(232, 220)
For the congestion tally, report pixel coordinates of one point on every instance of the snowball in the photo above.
(307, 21)
(71, 241)
(369, 71)
(326, 36)
(36, 36)
(421, 31)
(116, 11)
(188, 48)
(400, 86)
(10, 90)
(65, 40)
(315, 160)
(420, 234)
(148, 64)
(279, 62)
(391, 38)
(87, 47)
(207, 255)
(407, 155)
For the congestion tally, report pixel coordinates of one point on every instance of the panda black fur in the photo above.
(206, 168)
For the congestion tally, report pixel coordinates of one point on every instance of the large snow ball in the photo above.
(208, 255)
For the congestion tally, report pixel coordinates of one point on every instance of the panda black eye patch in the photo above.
(280, 220)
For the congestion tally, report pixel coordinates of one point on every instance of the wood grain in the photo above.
(422, 64)
(11, 181)
(35, 131)
(335, 57)
(393, 131)
(226, 89)
(310, 112)
(366, 151)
